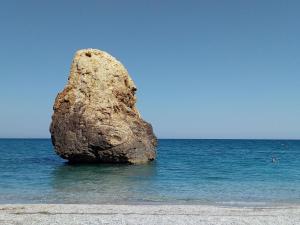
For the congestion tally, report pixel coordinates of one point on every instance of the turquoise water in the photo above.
(186, 171)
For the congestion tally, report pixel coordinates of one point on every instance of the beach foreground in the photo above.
(147, 214)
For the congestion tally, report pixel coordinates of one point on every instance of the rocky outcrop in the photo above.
(95, 118)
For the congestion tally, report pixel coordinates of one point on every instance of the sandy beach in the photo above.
(147, 214)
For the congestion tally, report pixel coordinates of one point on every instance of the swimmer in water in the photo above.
(274, 160)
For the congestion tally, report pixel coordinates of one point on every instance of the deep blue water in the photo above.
(186, 171)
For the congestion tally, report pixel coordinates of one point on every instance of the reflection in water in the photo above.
(102, 183)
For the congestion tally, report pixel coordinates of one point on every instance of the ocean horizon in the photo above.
(186, 171)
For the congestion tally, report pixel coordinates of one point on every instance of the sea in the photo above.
(217, 172)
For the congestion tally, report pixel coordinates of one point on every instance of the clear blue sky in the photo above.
(204, 69)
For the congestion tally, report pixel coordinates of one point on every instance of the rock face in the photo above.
(95, 118)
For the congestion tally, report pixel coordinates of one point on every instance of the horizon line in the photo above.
(271, 139)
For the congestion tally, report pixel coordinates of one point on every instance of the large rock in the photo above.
(95, 118)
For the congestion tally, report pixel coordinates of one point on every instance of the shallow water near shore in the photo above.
(223, 172)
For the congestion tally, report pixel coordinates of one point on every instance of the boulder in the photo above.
(95, 118)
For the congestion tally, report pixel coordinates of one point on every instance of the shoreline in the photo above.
(147, 214)
(227, 204)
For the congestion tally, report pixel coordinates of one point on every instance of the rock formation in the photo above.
(95, 118)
